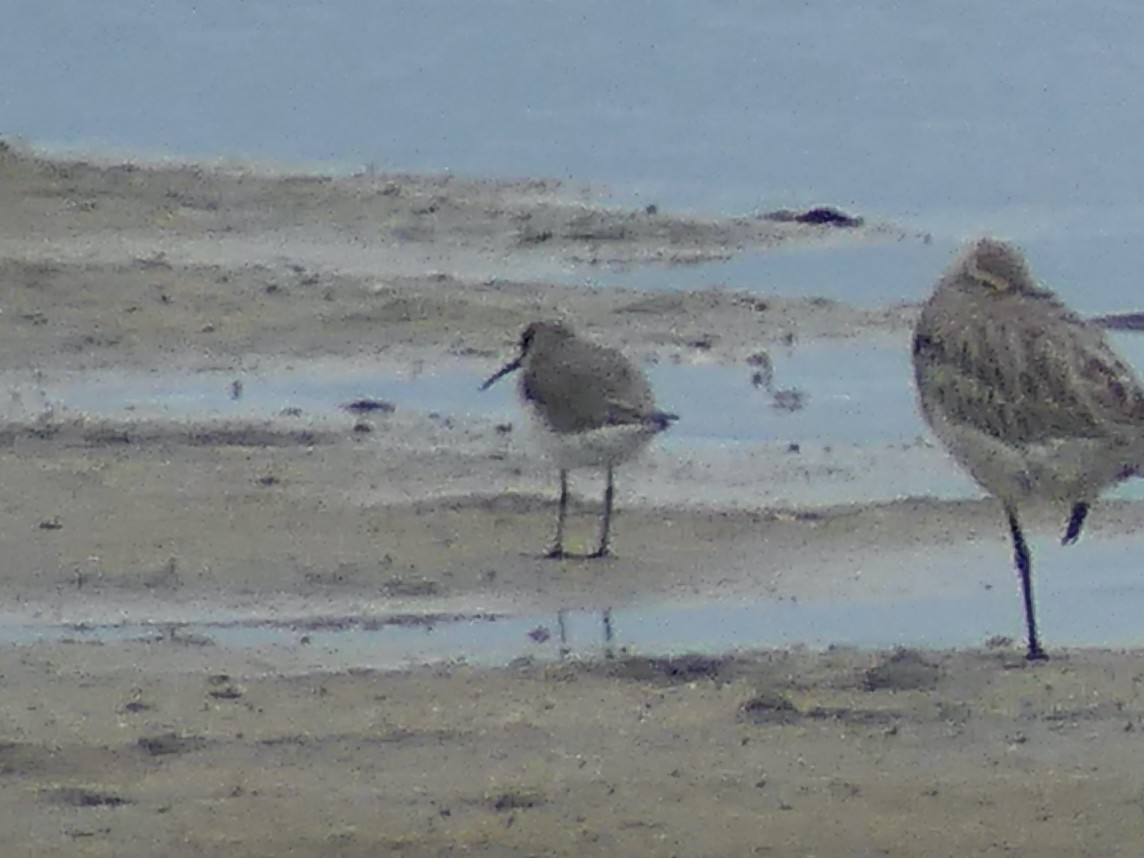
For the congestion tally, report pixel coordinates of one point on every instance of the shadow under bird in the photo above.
(595, 407)
(1027, 396)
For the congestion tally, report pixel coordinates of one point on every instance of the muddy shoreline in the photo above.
(177, 741)
(125, 265)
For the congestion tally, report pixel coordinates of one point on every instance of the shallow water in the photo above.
(859, 397)
(872, 275)
(856, 392)
(857, 434)
(976, 110)
(1088, 595)
(1093, 267)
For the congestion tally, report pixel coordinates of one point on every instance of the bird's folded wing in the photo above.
(1026, 385)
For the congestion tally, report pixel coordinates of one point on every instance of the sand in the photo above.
(171, 742)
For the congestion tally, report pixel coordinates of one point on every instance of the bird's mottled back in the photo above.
(576, 385)
(995, 351)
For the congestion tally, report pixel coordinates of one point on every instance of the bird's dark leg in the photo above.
(1025, 570)
(606, 524)
(557, 550)
(1076, 522)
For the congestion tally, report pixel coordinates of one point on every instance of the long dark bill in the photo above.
(511, 366)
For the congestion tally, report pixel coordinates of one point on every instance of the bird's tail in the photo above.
(660, 420)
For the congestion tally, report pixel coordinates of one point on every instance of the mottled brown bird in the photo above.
(1027, 396)
(595, 407)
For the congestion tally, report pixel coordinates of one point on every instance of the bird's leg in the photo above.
(557, 550)
(1025, 570)
(1076, 522)
(606, 524)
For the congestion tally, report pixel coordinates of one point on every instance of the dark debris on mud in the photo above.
(74, 796)
(667, 670)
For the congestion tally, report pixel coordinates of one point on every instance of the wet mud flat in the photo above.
(111, 264)
(122, 749)
(178, 735)
(187, 602)
(171, 521)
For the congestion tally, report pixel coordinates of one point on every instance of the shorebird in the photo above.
(1027, 396)
(595, 407)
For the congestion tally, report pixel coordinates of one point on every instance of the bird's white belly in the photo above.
(596, 448)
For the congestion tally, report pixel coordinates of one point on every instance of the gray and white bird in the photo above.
(1027, 396)
(595, 408)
